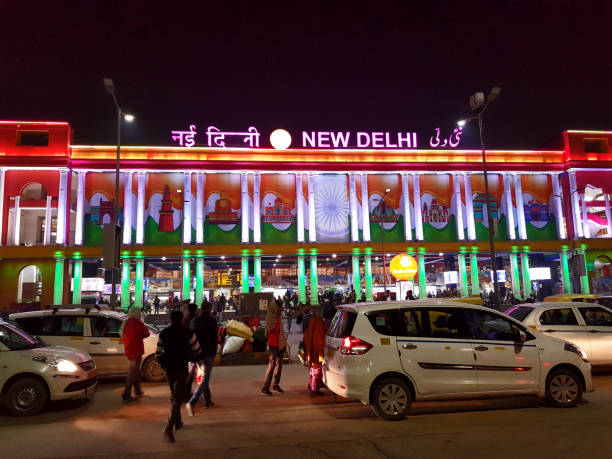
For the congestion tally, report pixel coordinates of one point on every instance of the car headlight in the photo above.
(65, 366)
(576, 350)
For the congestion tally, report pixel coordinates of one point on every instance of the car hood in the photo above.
(549, 341)
(60, 352)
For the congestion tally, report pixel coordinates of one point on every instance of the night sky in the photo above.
(375, 66)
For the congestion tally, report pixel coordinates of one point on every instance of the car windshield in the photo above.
(16, 339)
(519, 312)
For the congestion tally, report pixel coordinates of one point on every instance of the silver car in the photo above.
(588, 325)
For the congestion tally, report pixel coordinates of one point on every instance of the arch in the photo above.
(29, 284)
(33, 192)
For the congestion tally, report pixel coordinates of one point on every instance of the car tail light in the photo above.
(354, 346)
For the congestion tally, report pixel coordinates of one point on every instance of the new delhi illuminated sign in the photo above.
(281, 139)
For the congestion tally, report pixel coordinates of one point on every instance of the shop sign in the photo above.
(403, 267)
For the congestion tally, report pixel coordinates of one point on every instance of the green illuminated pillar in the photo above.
(245, 272)
(301, 277)
(463, 278)
(139, 284)
(125, 284)
(77, 277)
(199, 293)
(257, 273)
(584, 280)
(474, 273)
(186, 275)
(422, 276)
(525, 272)
(356, 276)
(514, 273)
(367, 260)
(58, 281)
(314, 277)
(565, 277)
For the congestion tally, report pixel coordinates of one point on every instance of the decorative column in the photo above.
(585, 217)
(140, 208)
(301, 268)
(58, 278)
(245, 272)
(139, 283)
(418, 220)
(2, 173)
(257, 269)
(407, 216)
(584, 280)
(125, 284)
(48, 222)
(257, 208)
(525, 272)
(127, 208)
(314, 278)
(312, 227)
(367, 261)
(576, 220)
(463, 279)
(520, 209)
(200, 180)
(509, 210)
(514, 274)
(299, 206)
(244, 206)
(608, 214)
(353, 208)
(565, 276)
(356, 275)
(62, 208)
(365, 208)
(80, 197)
(474, 273)
(17, 221)
(199, 292)
(458, 207)
(77, 277)
(422, 275)
(469, 207)
(558, 207)
(186, 260)
(188, 198)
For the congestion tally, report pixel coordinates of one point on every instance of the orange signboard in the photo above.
(403, 267)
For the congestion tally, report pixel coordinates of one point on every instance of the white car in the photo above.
(587, 325)
(32, 373)
(389, 354)
(92, 330)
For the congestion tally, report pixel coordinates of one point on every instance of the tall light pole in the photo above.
(382, 235)
(478, 103)
(110, 88)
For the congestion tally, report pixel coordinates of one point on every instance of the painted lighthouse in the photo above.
(166, 213)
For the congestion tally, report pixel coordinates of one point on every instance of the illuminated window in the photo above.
(595, 145)
(33, 138)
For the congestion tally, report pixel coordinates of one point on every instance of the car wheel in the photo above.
(26, 397)
(152, 370)
(563, 388)
(391, 399)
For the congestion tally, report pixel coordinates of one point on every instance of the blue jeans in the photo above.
(204, 387)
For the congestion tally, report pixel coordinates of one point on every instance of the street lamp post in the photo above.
(477, 102)
(382, 236)
(110, 88)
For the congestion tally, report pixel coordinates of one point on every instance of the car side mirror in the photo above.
(520, 336)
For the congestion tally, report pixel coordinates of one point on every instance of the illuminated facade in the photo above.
(220, 214)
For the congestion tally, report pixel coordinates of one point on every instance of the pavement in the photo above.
(245, 424)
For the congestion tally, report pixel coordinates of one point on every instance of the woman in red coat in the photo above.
(133, 332)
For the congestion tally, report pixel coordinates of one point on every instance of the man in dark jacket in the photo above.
(175, 346)
(206, 332)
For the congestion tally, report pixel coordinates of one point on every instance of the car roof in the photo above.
(555, 305)
(425, 302)
(69, 312)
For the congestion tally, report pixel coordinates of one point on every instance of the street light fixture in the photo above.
(479, 105)
(382, 235)
(109, 85)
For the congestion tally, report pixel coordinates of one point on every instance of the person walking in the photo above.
(175, 346)
(289, 316)
(277, 343)
(206, 333)
(156, 303)
(314, 345)
(133, 332)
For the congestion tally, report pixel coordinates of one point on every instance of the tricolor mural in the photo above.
(222, 202)
(278, 208)
(385, 214)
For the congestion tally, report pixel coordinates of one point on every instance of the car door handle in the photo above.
(481, 348)
(95, 342)
(549, 331)
(594, 331)
(409, 346)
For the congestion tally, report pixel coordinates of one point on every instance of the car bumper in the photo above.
(62, 388)
(588, 378)
(346, 386)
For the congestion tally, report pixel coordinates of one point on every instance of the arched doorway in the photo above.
(34, 192)
(29, 285)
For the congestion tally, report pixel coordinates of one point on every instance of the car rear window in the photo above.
(385, 322)
(342, 324)
(519, 312)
